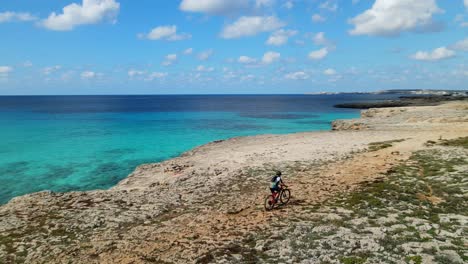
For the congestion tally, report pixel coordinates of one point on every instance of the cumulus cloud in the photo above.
(247, 77)
(9, 16)
(135, 73)
(5, 70)
(329, 72)
(270, 57)
(156, 75)
(88, 75)
(170, 59)
(318, 54)
(320, 39)
(188, 51)
(435, 55)
(204, 55)
(246, 60)
(168, 33)
(300, 75)
(251, 25)
(280, 37)
(391, 17)
(89, 12)
(466, 3)
(213, 7)
(329, 5)
(461, 45)
(202, 68)
(316, 18)
(51, 69)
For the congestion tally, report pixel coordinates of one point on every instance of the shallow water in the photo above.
(64, 143)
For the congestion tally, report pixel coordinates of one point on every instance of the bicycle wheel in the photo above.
(269, 204)
(285, 196)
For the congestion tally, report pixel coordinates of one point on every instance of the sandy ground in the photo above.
(180, 210)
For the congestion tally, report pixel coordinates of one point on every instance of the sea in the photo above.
(77, 143)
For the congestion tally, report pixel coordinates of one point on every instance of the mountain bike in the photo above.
(281, 198)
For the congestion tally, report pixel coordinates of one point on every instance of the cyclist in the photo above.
(276, 185)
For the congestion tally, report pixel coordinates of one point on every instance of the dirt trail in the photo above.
(194, 235)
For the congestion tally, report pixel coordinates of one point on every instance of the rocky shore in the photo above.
(388, 187)
(409, 100)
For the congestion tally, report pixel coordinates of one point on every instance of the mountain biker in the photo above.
(276, 184)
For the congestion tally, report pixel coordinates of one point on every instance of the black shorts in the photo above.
(276, 189)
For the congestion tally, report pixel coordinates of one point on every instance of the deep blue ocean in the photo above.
(64, 143)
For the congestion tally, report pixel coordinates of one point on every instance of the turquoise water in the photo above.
(44, 147)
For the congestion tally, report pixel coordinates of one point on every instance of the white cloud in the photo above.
(316, 18)
(391, 17)
(156, 75)
(204, 55)
(168, 33)
(270, 57)
(318, 54)
(51, 69)
(135, 73)
(320, 39)
(88, 75)
(247, 77)
(461, 45)
(202, 68)
(329, 5)
(329, 72)
(9, 16)
(250, 26)
(246, 60)
(466, 3)
(170, 59)
(280, 37)
(89, 12)
(435, 55)
(5, 73)
(188, 51)
(300, 75)
(214, 7)
(4, 70)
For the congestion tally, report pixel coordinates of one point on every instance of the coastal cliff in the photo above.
(390, 185)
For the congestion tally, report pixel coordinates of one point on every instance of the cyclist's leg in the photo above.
(272, 194)
(276, 193)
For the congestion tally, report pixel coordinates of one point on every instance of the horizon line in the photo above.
(201, 94)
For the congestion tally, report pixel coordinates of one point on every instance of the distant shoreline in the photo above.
(410, 100)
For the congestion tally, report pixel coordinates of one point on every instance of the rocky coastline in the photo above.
(389, 186)
(409, 100)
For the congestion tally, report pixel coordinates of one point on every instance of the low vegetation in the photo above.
(374, 146)
(417, 214)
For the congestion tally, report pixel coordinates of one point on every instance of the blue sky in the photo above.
(231, 46)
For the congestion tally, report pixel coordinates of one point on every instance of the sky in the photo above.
(231, 46)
